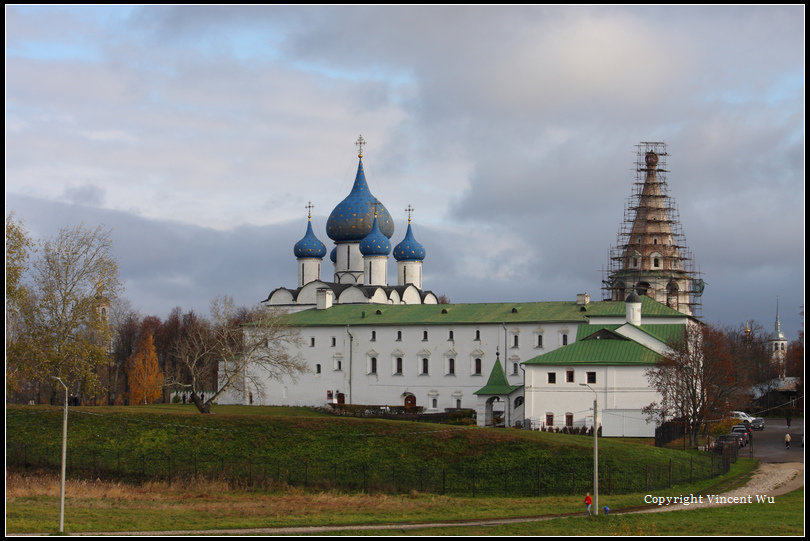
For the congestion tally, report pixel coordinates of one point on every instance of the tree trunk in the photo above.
(204, 407)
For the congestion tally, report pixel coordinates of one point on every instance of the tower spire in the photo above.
(651, 256)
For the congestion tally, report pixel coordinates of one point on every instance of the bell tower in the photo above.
(651, 257)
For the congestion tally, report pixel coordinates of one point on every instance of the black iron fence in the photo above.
(463, 479)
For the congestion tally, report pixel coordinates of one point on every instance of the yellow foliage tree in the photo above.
(145, 377)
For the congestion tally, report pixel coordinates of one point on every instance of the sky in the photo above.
(198, 135)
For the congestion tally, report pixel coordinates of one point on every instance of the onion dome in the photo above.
(633, 297)
(333, 255)
(352, 219)
(375, 243)
(309, 246)
(409, 249)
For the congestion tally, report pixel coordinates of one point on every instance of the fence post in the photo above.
(670, 473)
(539, 490)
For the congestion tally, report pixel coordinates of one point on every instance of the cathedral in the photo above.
(361, 229)
(529, 364)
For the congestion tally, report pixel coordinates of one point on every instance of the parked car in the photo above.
(745, 431)
(742, 416)
(758, 423)
(728, 439)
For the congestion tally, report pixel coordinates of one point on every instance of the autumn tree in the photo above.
(242, 346)
(64, 315)
(143, 373)
(18, 249)
(696, 379)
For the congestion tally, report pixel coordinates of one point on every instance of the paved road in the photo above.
(769, 444)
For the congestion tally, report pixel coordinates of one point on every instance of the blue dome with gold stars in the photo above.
(409, 249)
(309, 246)
(375, 243)
(353, 218)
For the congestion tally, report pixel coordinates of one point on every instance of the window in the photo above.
(552, 378)
(334, 341)
(425, 366)
(372, 367)
(569, 419)
(515, 341)
(569, 376)
(450, 335)
(565, 339)
(591, 377)
(373, 336)
(477, 367)
(317, 368)
(549, 419)
(435, 403)
(338, 365)
(424, 336)
(478, 335)
(539, 340)
(514, 368)
(655, 263)
(451, 366)
(398, 366)
(399, 336)
(312, 341)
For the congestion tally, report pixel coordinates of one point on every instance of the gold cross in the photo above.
(409, 210)
(360, 142)
(309, 208)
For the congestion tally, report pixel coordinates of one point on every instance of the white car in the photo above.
(741, 415)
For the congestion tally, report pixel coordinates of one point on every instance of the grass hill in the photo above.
(299, 446)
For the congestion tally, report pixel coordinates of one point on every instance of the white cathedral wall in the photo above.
(339, 359)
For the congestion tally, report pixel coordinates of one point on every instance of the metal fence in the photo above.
(463, 479)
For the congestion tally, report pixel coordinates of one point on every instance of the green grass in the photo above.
(295, 435)
(93, 506)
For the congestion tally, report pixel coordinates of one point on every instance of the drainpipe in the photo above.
(349, 382)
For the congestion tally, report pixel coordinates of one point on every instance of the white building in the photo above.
(533, 363)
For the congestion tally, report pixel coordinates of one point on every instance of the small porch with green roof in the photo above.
(498, 390)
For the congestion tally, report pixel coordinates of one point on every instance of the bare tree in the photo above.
(236, 349)
(697, 379)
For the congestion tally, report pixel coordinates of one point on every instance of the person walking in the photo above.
(788, 420)
(787, 441)
(588, 502)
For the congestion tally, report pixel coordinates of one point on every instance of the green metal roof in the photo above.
(609, 348)
(442, 314)
(497, 383)
(663, 333)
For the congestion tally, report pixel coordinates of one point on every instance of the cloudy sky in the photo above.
(199, 134)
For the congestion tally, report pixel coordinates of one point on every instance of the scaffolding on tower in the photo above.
(651, 255)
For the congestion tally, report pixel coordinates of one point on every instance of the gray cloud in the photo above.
(204, 131)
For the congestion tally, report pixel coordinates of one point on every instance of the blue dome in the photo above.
(409, 249)
(333, 255)
(375, 243)
(352, 218)
(309, 246)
